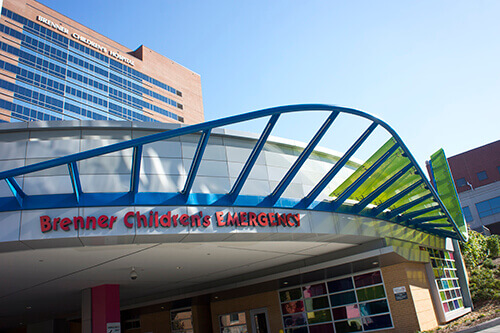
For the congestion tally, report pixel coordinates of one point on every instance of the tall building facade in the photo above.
(54, 68)
(477, 178)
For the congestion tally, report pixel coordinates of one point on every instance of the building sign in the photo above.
(400, 293)
(113, 328)
(88, 42)
(85, 40)
(52, 24)
(120, 57)
(158, 220)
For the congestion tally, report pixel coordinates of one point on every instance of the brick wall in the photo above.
(417, 312)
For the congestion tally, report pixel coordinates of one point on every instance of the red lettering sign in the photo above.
(168, 220)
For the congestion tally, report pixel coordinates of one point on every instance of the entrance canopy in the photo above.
(388, 186)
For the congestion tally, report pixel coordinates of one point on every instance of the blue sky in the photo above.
(431, 69)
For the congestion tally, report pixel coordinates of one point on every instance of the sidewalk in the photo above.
(492, 326)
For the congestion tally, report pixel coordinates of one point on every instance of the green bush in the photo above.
(484, 277)
(475, 251)
(493, 245)
(488, 263)
(484, 284)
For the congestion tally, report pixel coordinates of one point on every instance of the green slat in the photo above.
(383, 173)
(447, 191)
(395, 163)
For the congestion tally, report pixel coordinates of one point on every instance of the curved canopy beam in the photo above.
(374, 190)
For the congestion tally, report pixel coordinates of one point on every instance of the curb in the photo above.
(482, 326)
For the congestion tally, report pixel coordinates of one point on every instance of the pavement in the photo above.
(492, 326)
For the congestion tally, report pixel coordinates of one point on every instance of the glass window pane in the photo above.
(319, 316)
(181, 321)
(297, 319)
(182, 324)
(340, 285)
(339, 313)
(346, 312)
(352, 311)
(290, 295)
(377, 322)
(482, 175)
(467, 214)
(495, 205)
(323, 328)
(372, 308)
(460, 182)
(235, 329)
(317, 303)
(314, 290)
(483, 208)
(292, 307)
(367, 279)
(231, 319)
(343, 298)
(296, 330)
(348, 326)
(370, 293)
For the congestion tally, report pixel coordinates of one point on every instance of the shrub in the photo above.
(484, 278)
(484, 284)
(475, 250)
(493, 245)
(488, 263)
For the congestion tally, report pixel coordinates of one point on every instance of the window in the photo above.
(488, 207)
(467, 214)
(346, 304)
(233, 323)
(445, 275)
(482, 175)
(460, 182)
(181, 321)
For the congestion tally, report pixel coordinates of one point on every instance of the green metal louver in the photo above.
(395, 191)
(445, 187)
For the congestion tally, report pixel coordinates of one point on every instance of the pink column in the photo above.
(105, 306)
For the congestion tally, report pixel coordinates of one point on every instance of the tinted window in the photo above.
(343, 298)
(482, 175)
(488, 207)
(339, 285)
(367, 279)
(377, 322)
(467, 214)
(460, 182)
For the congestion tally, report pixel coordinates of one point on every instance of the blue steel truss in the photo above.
(401, 215)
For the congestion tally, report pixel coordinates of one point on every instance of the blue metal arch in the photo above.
(21, 201)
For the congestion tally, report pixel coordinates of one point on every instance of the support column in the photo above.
(463, 279)
(87, 310)
(105, 307)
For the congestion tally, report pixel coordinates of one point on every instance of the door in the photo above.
(260, 324)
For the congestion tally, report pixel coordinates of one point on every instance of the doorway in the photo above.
(260, 323)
